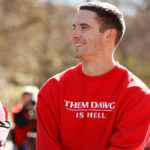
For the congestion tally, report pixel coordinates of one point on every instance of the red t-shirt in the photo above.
(107, 112)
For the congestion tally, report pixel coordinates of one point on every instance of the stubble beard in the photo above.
(79, 53)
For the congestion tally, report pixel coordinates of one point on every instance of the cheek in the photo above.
(92, 39)
(99, 41)
(95, 41)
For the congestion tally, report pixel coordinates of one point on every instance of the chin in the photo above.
(77, 56)
(79, 53)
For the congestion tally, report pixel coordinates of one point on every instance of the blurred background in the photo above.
(35, 42)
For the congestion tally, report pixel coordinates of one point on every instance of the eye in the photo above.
(73, 27)
(84, 27)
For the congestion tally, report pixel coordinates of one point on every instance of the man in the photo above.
(24, 118)
(98, 104)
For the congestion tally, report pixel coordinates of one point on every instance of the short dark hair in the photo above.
(108, 16)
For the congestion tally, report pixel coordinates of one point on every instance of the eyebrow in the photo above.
(82, 24)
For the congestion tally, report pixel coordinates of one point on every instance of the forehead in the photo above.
(85, 16)
(27, 94)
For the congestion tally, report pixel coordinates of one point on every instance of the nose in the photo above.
(75, 34)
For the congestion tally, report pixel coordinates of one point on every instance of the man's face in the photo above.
(88, 41)
(26, 98)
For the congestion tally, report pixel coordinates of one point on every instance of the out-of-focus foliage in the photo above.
(133, 50)
(135, 46)
(35, 43)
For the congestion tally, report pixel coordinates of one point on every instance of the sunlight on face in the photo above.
(87, 39)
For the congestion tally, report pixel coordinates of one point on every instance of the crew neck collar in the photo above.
(103, 76)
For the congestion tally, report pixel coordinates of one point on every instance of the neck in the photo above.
(97, 68)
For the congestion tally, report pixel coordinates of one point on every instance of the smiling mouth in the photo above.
(79, 44)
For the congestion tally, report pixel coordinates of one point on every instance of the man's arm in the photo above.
(21, 120)
(132, 130)
(48, 117)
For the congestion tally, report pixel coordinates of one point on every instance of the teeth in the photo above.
(79, 44)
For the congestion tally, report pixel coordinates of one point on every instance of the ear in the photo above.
(110, 35)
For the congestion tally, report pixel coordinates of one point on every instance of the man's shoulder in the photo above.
(61, 77)
(16, 109)
(66, 73)
(132, 90)
(134, 83)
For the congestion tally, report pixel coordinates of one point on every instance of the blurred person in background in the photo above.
(98, 104)
(4, 126)
(25, 120)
